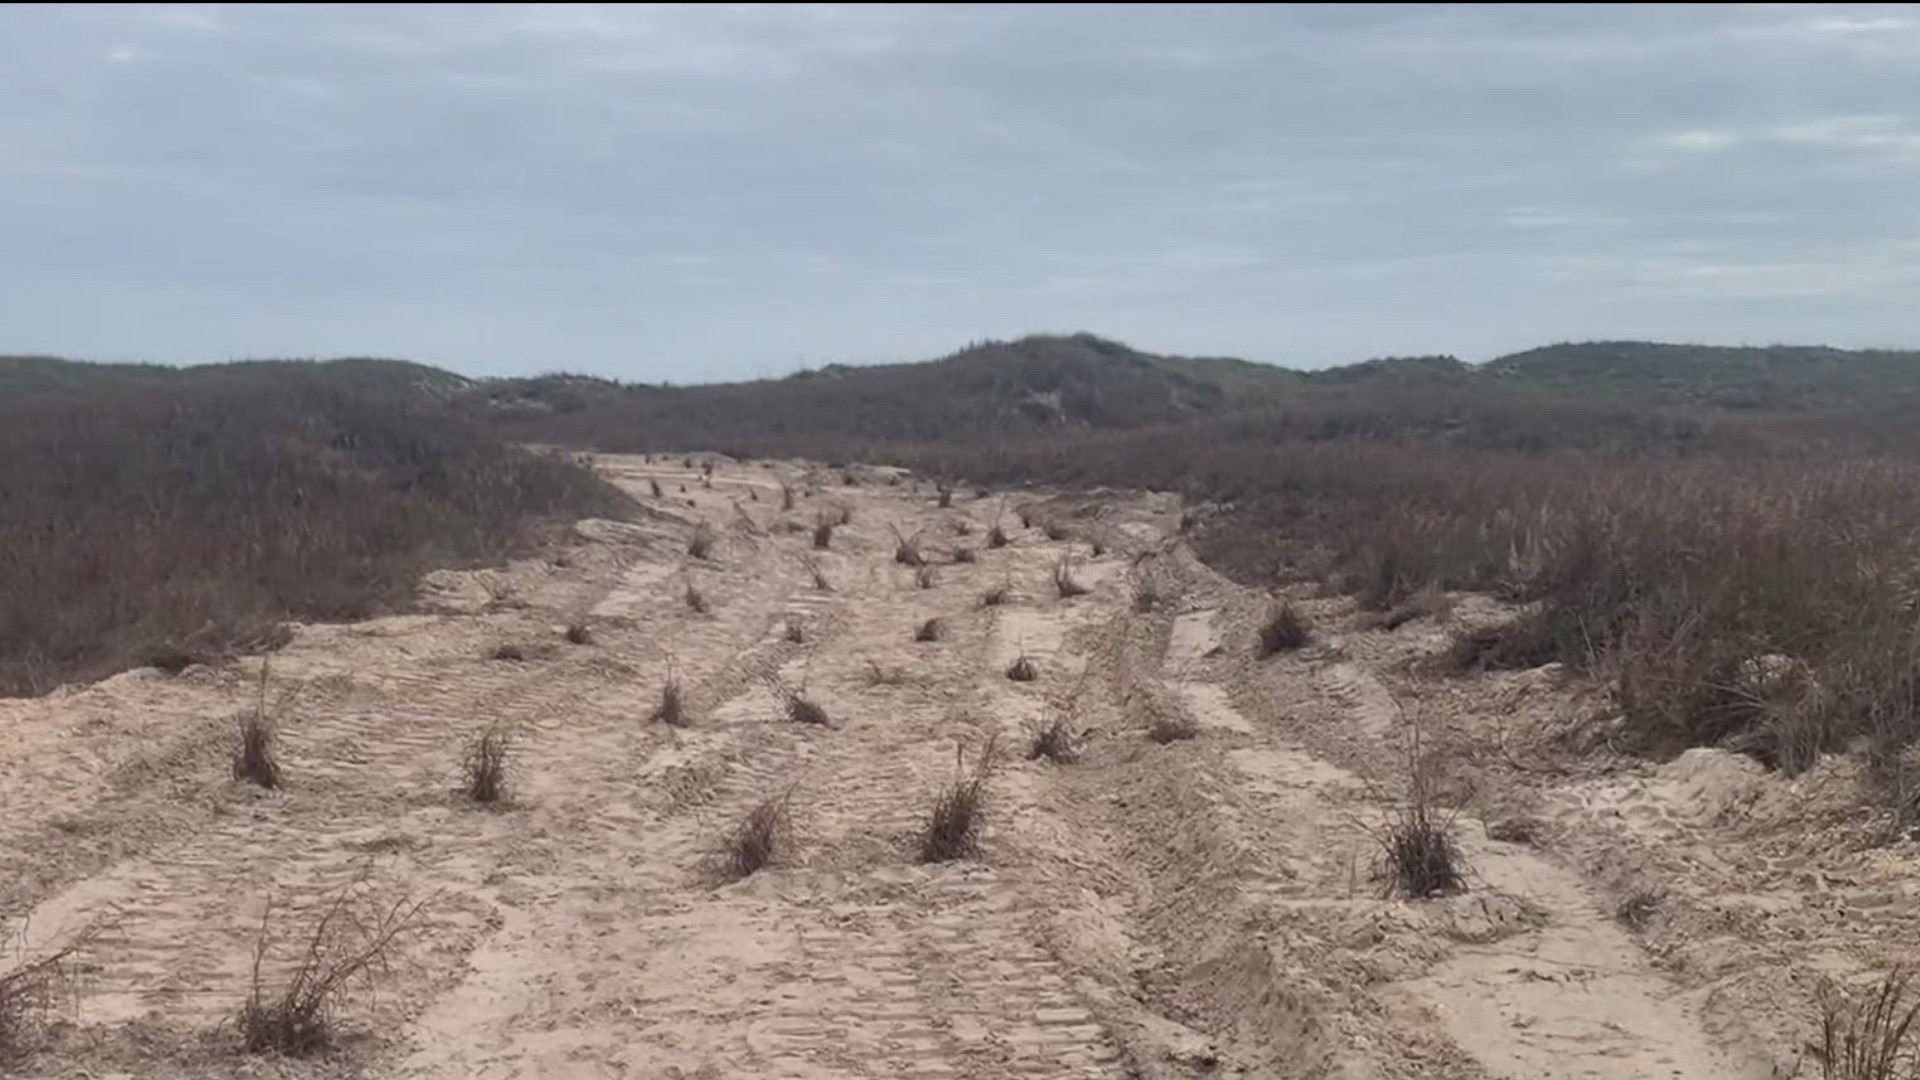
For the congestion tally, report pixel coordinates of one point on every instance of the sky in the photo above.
(716, 192)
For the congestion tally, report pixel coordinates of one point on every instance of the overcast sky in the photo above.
(708, 192)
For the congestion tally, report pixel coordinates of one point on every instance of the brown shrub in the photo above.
(483, 769)
(1063, 580)
(700, 545)
(1023, 669)
(755, 842)
(672, 709)
(1872, 1036)
(952, 829)
(1284, 629)
(1053, 741)
(931, 630)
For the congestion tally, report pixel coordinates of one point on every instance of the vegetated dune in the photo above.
(1197, 887)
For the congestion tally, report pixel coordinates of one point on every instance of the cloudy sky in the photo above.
(713, 191)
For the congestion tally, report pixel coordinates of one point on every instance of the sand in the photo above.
(1204, 908)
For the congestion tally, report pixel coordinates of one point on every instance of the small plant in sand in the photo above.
(297, 1019)
(1063, 580)
(796, 705)
(1870, 1035)
(255, 757)
(29, 992)
(1418, 855)
(1098, 546)
(755, 842)
(952, 828)
(1053, 741)
(814, 571)
(1638, 908)
(786, 497)
(931, 630)
(1026, 517)
(996, 536)
(795, 632)
(1057, 530)
(965, 555)
(963, 527)
(672, 709)
(579, 633)
(697, 600)
(1284, 629)
(1168, 723)
(906, 549)
(507, 651)
(945, 496)
(924, 577)
(846, 514)
(1023, 669)
(653, 485)
(1146, 594)
(879, 674)
(483, 770)
(1427, 603)
(700, 545)
(823, 532)
(997, 595)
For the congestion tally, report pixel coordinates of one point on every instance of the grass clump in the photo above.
(816, 573)
(696, 600)
(795, 633)
(653, 485)
(997, 595)
(965, 555)
(952, 828)
(700, 544)
(1170, 724)
(1023, 669)
(29, 991)
(906, 550)
(1871, 1036)
(579, 633)
(1053, 741)
(1418, 856)
(997, 536)
(1063, 580)
(507, 651)
(823, 532)
(931, 630)
(297, 1019)
(924, 577)
(255, 751)
(672, 709)
(483, 770)
(797, 706)
(1284, 630)
(757, 840)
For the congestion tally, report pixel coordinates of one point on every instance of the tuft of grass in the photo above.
(965, 555)
(1146, 594)
(1873, 1036)
(1637, 909)
(879, 674)
(798, 707)
(483, 769)
(507, 651)
(28, 993)
(653, 485)
(696, 599)
(906, 549)
(814, 571)
(1170, 724)
(952, 828)
(297, 1020)
(846, 514)
(1427, 603)
(1026, 517)
(1063, 580)
(945, 496)
(254, 753)
(997, 595)
(823, 533)
(579, 633)
(1023, 669)
(1284, 629)
(1053, 741)
(996, 536)
(786, 497)
(700, 545)
(1057, 530)
(756, 841)
(1418, 856)
(672, 710)
(963, 527)
(924, 577)
(931, 630)
(795, 632)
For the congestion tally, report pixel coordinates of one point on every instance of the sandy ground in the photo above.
(1209, 907)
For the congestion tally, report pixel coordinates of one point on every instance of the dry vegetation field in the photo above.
(1430, 729)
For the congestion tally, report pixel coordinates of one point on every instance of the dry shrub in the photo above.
(1428, 603)
(1146, 593)
(798, 707)
(1053, 741)
(297, 1020)
(786, 497)
(1418, 856)
(823, 533)
(1168, 723)
(815, 572)
(952, 828)
(1025, 515)
(1283, 630)
(846, 514)
(1023, 669)
(945, 496)
(255, 758)
(963, 527)
(965, 555)
(1063, 580)
(483, 769)
(997, 595)
(795, 632)
(906, 549)
(653, 485)
(29, 991)
(1870, 1037)
(1098, 547)
(996, 536)
(931, 630)
(756, 841)
(924, 577)
(879, 674)
(697, 600)
(507, 651)
(1637, 908)
(700, 545)
(1057, 530)
(672, 709)
(579, 633)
